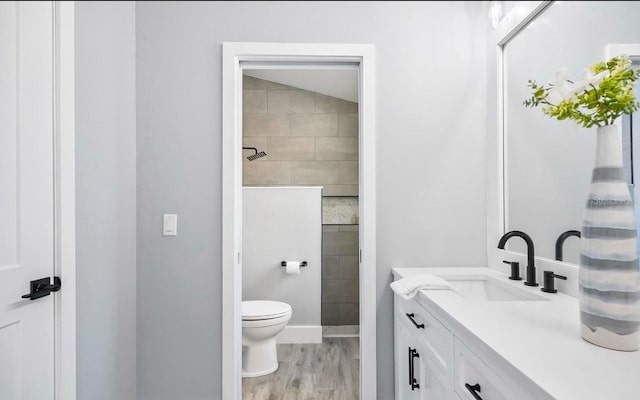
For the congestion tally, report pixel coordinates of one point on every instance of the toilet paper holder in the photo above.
(284, 263)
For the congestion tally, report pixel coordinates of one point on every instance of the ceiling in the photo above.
(341, 83)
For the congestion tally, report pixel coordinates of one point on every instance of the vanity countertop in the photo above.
(541, 339)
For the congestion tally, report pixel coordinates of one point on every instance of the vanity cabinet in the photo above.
(431, 363)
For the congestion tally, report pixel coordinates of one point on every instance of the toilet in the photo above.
(262, 320)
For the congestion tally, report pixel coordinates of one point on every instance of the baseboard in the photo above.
(338, 331)
(300, 334)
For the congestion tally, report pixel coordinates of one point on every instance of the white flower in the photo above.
(590, 80)
(561, 89)
(596, 79)
(564, 90)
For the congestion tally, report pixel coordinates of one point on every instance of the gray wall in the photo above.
(106, 200)
(430, 160)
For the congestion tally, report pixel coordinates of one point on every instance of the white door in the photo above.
(26, 199)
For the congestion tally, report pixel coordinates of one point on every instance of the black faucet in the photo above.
(560, 242)
(531, 268)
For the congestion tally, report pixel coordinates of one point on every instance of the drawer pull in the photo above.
(417, 325)
(413, 382)
(474, 390)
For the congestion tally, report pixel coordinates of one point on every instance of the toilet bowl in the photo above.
(262, 320)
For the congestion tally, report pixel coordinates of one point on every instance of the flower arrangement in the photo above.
(599, 99)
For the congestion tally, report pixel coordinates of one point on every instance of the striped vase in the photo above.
(609, 270)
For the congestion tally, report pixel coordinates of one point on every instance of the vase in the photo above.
(609, 277)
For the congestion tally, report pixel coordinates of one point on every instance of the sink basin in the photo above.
(486, 288)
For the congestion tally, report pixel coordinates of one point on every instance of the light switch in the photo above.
(170, 225)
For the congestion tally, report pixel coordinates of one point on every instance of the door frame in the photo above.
(234, 53)
(64, 200)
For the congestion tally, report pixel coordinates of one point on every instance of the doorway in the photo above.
(265, 56)
(300, 205)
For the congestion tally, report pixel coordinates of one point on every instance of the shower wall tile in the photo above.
(348, 124)
(330, 268)
(348, 267)
(314, 172)
(314, 124)
(340, 244)
(340, 278)
(330, 313)
(348, 314)
(265, 173)
(349, 172)
(291, 148)
(291, 101)
(254, 101)
(340, 190)
(340, 291)
(336, 148)
(251, 83)
(266, 125)
(328, 104)
(296, 127)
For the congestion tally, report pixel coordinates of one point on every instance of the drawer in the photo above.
(430, 333)
(470, 370)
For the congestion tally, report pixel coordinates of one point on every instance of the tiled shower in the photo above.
(311, 140)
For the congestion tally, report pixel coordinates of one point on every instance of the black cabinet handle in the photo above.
(413, 382)
(411, 316)
(474, 390)
(410, 361)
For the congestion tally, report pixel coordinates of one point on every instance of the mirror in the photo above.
(548, 163)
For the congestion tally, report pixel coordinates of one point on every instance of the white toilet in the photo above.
(262, 320)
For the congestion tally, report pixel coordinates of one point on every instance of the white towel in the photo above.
(408, 287)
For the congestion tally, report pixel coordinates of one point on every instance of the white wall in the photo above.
(431, 142)
(105, 200)
(283, 224)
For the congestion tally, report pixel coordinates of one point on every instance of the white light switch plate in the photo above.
(170, 224)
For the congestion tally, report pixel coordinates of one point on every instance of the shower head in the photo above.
(256, 155)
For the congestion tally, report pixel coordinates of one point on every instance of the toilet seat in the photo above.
(261, 310)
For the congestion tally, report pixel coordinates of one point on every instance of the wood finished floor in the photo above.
(325, 371)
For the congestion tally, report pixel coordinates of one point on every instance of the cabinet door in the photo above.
(433, 384)
(408, 365)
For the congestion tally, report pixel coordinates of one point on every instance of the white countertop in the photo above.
(539, 338)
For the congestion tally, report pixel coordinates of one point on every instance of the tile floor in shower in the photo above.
(317, 371)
